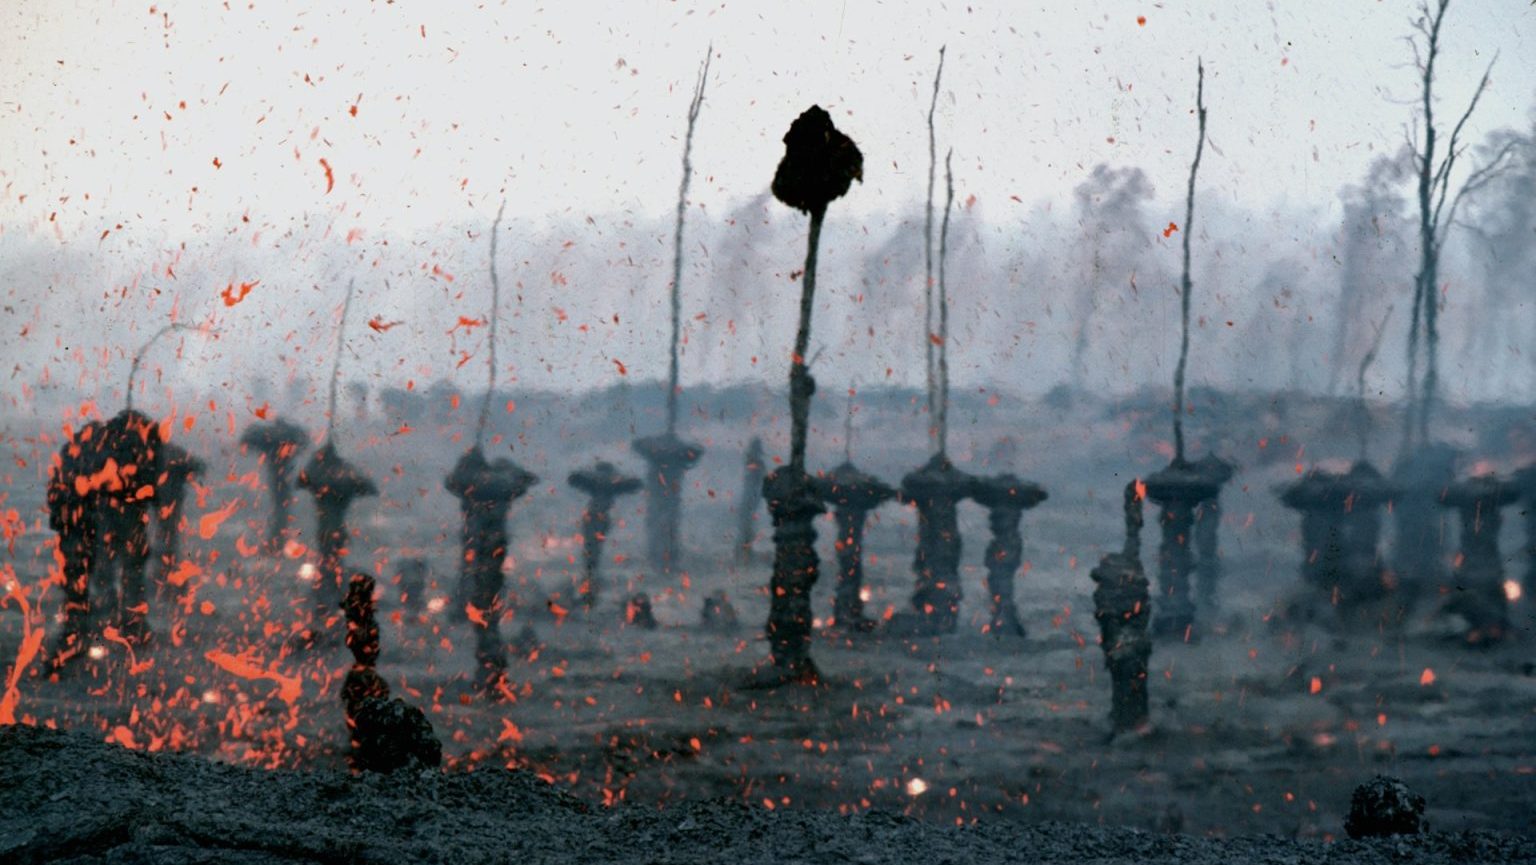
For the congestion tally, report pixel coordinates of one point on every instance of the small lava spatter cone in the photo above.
(1121, 607)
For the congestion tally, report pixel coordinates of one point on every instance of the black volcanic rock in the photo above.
(1385, 806)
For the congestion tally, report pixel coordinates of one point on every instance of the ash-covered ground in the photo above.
(1263, 727)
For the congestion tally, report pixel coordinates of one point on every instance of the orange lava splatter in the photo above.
(26, 653)
(623, 370)
(330, 176)
(1427, 677)
(209, 524)
(233, 294)
(1172, 227)
(379, 324)
(1317, 685)
(185, 570)
(1141, 20)
(247, 666)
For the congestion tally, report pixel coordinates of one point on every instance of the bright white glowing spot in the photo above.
(865, 594)
(437, 604)
(1512, 590)
(917, 787)
(11, 586)
(308, 573)
(818, 623)
(97, 652)
(210, 696)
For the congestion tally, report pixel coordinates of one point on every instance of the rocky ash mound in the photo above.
(65, 797)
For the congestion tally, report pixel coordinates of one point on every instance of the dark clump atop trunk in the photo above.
(334, 483)
(279, 442)
(667, 459)
(603, 485)
(937, 490)
(1120, 605)
(1479, 595)
(486, 490)
(1006, 498)
(386, 734)
(852, 494)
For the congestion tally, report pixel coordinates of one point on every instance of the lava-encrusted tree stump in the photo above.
(179, 469)
(1340, 539)
(1006, 498)
(385, 734)
(852, 493)
(603, 485)
(936, 490)
(1121, 601)
(751, 489)
(1419, 555)
(819, 165)
(1178, 488)
(1525, 481)
(134, 447)
(1208, 570)
(74, 505)
(335, 484)
(668, 458)
(486, 490)
(1478, 576)
(279, 443)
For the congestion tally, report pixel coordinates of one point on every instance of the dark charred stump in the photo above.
(603, 485)
(852, 495)
(334, 483)
(1478, 578)
(719, 614)
(794, 502)
(279, 444)
(486, 490)
(1177, 489)
(385, 734)
(134, 449)
(1383, 808)
(1419, 556)
(74, 504)
(1006, 498)
(179, 468)
(1121, 602)
(1208, 570)
(751, 488)
(668, 458)
(937, 490)
(638, 612)
(1341, 537)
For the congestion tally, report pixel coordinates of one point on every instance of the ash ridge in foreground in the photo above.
(68, 798)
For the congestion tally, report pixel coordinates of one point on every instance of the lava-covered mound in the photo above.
(69, 798)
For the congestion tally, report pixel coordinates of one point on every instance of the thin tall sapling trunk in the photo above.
(1186, 285)
(819, 165)
(933, 161)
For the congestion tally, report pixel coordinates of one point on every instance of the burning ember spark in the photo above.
(437, 604)
(1141, 490)
(917, 787)
(97, 652)
(1512, 590)
(1428, 677)
(308, 573)
(865, 594)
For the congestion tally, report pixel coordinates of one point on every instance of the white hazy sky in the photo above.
(114, 113)
(129, 129)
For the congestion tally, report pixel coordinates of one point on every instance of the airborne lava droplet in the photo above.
(1172, 227)
(330, 176)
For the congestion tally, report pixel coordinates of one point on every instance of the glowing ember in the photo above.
(437, 604)
(865, 594)
(1428, 677)
(97, 652)
(308, 573)
(1512, 590)
(917, 787)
